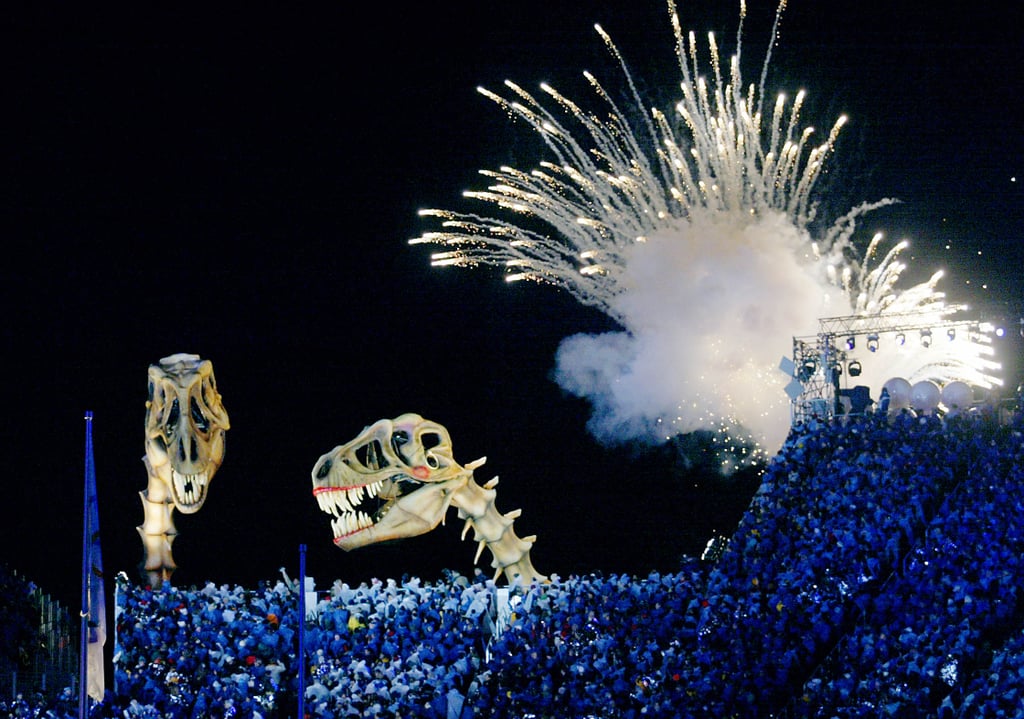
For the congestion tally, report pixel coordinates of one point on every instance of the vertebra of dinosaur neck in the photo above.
(492, 529)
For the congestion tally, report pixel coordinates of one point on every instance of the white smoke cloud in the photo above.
(710, 307)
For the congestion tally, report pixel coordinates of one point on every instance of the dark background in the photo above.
(242, 187)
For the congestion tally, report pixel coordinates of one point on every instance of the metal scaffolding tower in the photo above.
(818, 360)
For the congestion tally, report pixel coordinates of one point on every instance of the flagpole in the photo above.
(83, 641)
(302, 631)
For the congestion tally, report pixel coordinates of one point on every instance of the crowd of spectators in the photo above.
(875, 573)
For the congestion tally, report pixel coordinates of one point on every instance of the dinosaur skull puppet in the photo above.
(185, 426)
(398, 478)
(402, 468)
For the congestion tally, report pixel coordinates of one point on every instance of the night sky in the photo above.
(244, 187)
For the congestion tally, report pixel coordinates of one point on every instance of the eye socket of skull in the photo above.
(400, 443)
(199, 410)
(429, 440)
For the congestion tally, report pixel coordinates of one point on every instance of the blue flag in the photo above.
(92, 582)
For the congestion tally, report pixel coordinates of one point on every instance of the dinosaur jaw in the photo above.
(187, 490)
(394, 508)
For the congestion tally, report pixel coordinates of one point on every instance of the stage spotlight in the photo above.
(951, 333)
(808, 368)
(872, 342)
(926, 338)
(854, 368)
(901, 339)
(851, 342)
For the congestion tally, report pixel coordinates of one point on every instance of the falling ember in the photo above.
(700, 244)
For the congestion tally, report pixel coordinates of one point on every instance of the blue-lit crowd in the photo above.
(876, 573)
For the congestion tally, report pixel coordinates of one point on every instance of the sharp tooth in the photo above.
(466, 526)
(497, 572)
(479, 550)
(343, 503)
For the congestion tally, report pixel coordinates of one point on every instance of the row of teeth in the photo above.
(349, 523)
(344, 501)
(189, 487)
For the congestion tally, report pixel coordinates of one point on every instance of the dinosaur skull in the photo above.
(185, 426)
(394, 480)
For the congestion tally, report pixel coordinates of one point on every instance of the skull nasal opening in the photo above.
(324, 469)
(188, 451)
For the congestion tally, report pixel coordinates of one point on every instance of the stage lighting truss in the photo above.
(820, 361)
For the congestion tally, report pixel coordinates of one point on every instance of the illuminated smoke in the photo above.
(699, 243)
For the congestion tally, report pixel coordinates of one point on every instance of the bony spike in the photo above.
(466, 527)
(479, 550)
(514, 514)
(476, 463)
(492, 483)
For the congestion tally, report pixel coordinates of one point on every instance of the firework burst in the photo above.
(693, 230)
